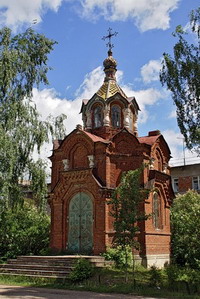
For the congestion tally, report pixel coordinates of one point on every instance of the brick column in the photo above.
(56, 225)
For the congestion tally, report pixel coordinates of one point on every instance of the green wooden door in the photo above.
(80, 232)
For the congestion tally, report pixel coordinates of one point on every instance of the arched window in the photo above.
(98, 117)
(157, 211)
(116, 116)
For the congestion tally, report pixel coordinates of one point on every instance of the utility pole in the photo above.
(183, 139)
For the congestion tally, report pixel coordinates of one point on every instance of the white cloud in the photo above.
(144, 98)
(175, 143)
(150, 71)
(91, 83)
(147, 14)
(48, 102)
(172, 114)
(16, 13)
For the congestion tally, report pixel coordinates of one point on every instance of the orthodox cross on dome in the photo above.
(109, 36)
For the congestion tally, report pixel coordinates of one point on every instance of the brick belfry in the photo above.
(87, 166)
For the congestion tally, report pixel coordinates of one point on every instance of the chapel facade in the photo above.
(87, 166)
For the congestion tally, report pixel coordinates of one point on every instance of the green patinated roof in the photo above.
(109, 89)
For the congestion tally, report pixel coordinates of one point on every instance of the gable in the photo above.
(159, 146)
(74, 140)
(161, 149)
(78, 137)
(125, 142)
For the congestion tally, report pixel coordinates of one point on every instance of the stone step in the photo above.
(42, 262)
(98, 261)
(25, 272)
(62, 258)
(32, 275)
(46, 266)
(36, 267)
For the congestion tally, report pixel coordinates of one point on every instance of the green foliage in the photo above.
(127, 211)
(23, 65)
(82, 270)
(183, 277)
(119, 257)
(181, 74)
(156, 278)
(23, 231)
(38, 184)
(172, 272)
(185, 220)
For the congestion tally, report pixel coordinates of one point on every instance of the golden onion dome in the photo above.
(110, 62)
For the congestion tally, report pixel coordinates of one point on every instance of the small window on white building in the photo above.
(196, 183)
(175, 184)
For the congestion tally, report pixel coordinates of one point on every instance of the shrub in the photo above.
(23, 231)
(172, 274)
(82, 270)
(155, 277)
(179, 278)
(118, 255)
(185, 220)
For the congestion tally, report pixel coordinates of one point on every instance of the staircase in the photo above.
(57, 267)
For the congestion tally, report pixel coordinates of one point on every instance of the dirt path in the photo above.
(17, 292)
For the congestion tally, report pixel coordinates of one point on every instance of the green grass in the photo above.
(108, 281)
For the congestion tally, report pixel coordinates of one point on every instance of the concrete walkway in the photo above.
(17, 292)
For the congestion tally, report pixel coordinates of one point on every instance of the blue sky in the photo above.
(144, 32)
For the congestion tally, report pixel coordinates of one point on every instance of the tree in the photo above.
(23, 65)
(185, 221)
(127, 212)
(181, 75)
(23, 231)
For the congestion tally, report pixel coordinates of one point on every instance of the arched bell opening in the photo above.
(116, 116)
(97, 116)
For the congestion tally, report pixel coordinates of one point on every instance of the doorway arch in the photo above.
(80, 224)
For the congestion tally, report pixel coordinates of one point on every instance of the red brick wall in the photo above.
(184, 183)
